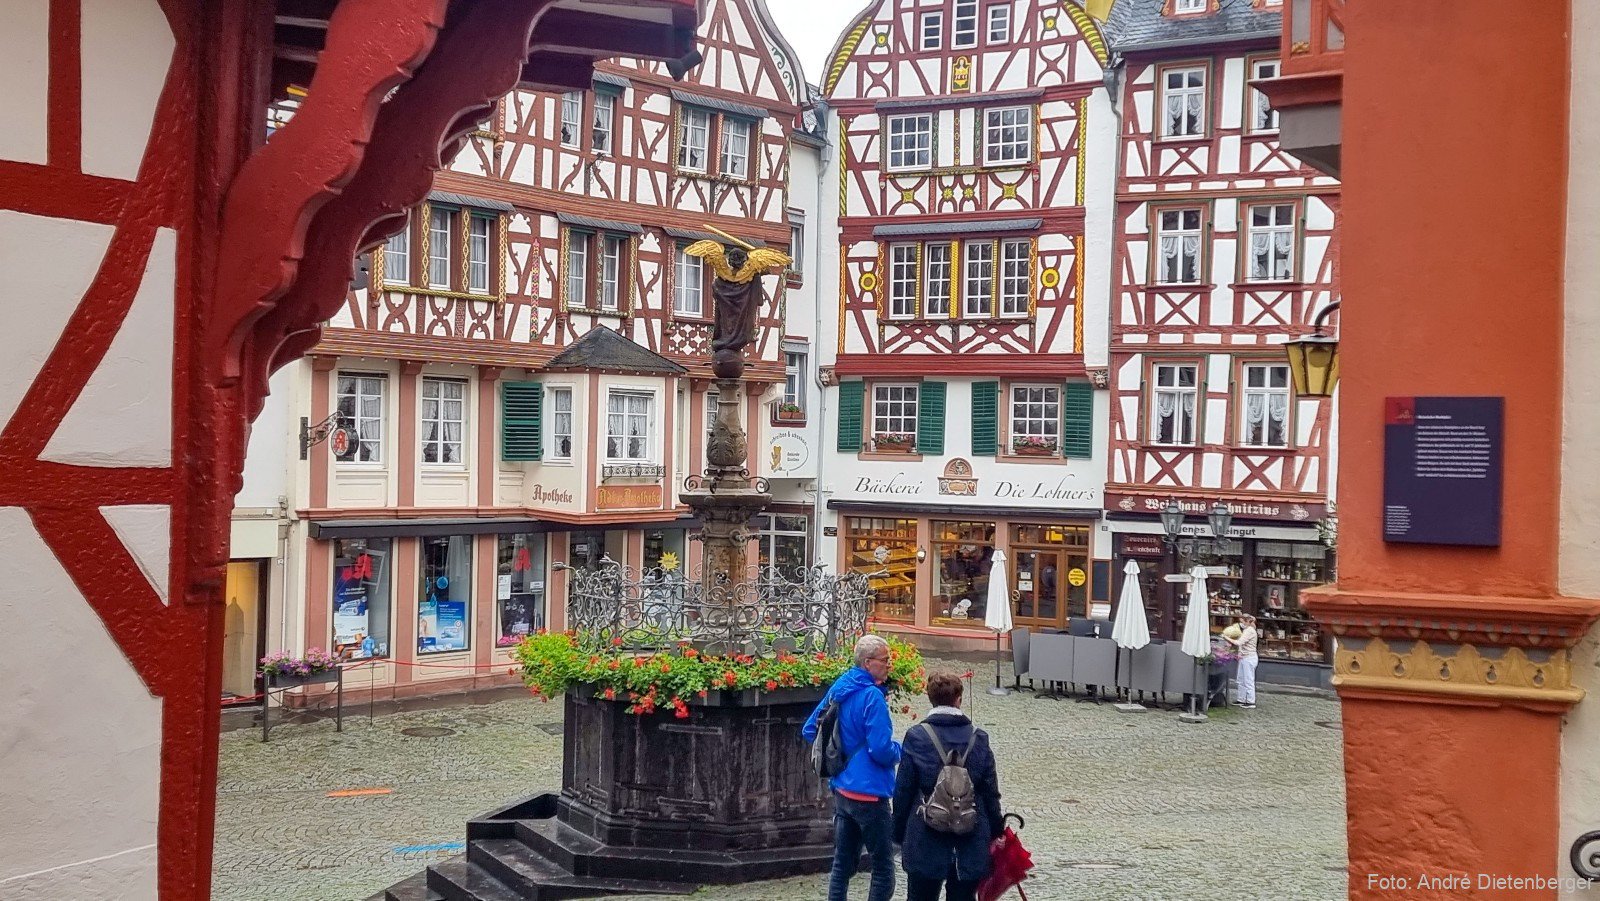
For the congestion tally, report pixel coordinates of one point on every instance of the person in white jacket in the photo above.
(1246, 645)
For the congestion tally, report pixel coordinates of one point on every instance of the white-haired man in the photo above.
(862, 791)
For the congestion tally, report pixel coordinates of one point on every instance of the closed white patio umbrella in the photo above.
(997, 616)
(1197, 630)
(1131, 630)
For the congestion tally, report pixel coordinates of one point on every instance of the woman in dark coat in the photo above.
(932, 859)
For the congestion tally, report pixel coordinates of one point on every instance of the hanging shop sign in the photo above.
(628, 497)
(1442, 470)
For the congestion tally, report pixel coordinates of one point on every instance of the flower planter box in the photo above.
(790, 415)
(1033, 450)
(892, 447)
(284, 681)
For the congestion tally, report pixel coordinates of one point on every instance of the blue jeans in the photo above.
(858, 824)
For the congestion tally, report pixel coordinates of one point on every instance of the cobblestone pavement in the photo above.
(1119, 806)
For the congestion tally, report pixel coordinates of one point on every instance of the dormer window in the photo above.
(1188, 6)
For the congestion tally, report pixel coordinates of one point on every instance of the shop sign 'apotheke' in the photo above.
(1288, 511)
(628, 497)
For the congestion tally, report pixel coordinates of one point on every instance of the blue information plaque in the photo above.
(1442, 470)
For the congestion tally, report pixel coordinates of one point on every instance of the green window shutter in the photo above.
(1077, 419)
(850, 398)
(985, 418)
(521, 421)
(930, 418)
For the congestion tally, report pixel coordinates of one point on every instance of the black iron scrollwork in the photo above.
(312, 435)
(1586, 855)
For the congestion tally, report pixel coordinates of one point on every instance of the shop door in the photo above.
(242, 633)
(1036, 589)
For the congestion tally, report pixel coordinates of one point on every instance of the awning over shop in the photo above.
(328, 529)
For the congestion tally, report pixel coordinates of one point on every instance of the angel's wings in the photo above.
(761, 259)
(712, 252)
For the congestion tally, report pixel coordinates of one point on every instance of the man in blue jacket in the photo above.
(861, 793)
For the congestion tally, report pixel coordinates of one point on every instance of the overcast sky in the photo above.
(811, 27)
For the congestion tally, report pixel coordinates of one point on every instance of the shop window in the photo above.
(1178, 247)
(962, 554)
(361, 597)
(445, 595)
(1225, 587)
(886, 551)
(520, 586)
(784, 544)
(586, 549)
(1264, 417)
(1183, 98)
(1283, 570)
(444, 417)
(1172, 404)
(664, 550)
(361, 409)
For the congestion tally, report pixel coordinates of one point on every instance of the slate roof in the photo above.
(1135, 25)
(603, 348)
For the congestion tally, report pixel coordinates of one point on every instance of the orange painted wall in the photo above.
(1455, 124)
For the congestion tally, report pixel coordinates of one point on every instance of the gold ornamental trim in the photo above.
(1463, 671)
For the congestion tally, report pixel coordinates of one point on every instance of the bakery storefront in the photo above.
(1273, 551)
(930, 562)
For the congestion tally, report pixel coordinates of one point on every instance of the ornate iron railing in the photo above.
(767, 612)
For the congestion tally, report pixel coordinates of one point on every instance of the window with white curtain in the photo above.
(1008, 135)
(1014, 278)
(694, 139)
(361, 411)
(936, 269)
(1264, 419)
(611, 273)
(910, 142)
(1189, 6)
(605, 121)
(578, 248)
(966, 24)
(978, 288)
(902, 281)
(630, 419)
(571, 118)
(794, 379)
(735, 162)
(1183, 98)
(478, 254)
(1263, 116)
(444, 418)
(561, 423)
(1172, 403)
(397, 257)
(688, 284)
(1271, 242)
(441, 228)
(932, 30)
(1178, 247)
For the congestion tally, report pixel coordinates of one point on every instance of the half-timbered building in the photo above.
(1225, 247)
(523, 382)
(974, 182)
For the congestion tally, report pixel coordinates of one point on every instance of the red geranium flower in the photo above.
(771, 684)
(729, 677)
(611, 694)
(617, 641)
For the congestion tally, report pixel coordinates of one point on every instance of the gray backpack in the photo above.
(953, 805)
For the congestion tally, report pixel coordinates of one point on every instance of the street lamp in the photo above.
(1220, 518)
(1172, 520)
(1314, 359)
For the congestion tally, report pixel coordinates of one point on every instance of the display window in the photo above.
(664, 549)
(444, 597)
(520, 586)
(1283, 570)
(963, 553)
(586, 550)
(886, 550)
(784, 544)
(1225, 586)
(361, 598)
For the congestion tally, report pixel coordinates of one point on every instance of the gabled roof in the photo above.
(1136, 25)
(603, 348)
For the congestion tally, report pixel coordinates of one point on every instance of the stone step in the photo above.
(412, 889)
(459, 879)
(535, 876)
(584, 856)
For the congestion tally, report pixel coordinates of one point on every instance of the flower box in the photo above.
(893, 444)
(790, 415)
(1034, 450)
(284, 680)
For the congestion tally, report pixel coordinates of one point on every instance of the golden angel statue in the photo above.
(736, 292)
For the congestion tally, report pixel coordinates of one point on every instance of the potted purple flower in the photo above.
(283, 670)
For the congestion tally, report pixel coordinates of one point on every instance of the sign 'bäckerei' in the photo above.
(1442, 470)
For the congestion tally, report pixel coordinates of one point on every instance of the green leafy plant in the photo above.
(553, 662)
(1026, 443)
